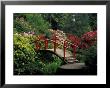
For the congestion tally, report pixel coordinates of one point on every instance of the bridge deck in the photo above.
(60, 52)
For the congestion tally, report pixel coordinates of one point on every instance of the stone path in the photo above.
(73, 66)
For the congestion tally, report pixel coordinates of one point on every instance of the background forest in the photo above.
(27, 26)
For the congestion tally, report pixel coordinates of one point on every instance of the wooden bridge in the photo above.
(74, 42)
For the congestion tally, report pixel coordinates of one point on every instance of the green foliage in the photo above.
(89, 56)
(48, 63)
(77, 24)
(20, 25)
(80, 57)
(24, 52)
(31, 22)
(93, 20)
(51, 68)
(38, 23)
(73, 23)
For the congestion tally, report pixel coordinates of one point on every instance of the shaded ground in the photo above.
(76, 69)
(71, 69)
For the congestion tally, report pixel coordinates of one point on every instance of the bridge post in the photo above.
(55, 44)
(74, 52)
(46, 43)
(64, 48)
(37, 46)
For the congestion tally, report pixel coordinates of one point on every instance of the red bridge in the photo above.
(71, 42)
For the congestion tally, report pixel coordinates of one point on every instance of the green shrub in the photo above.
(89, 55)
(52, 66)
(20, 25)
(24, 52)
(80, 57)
